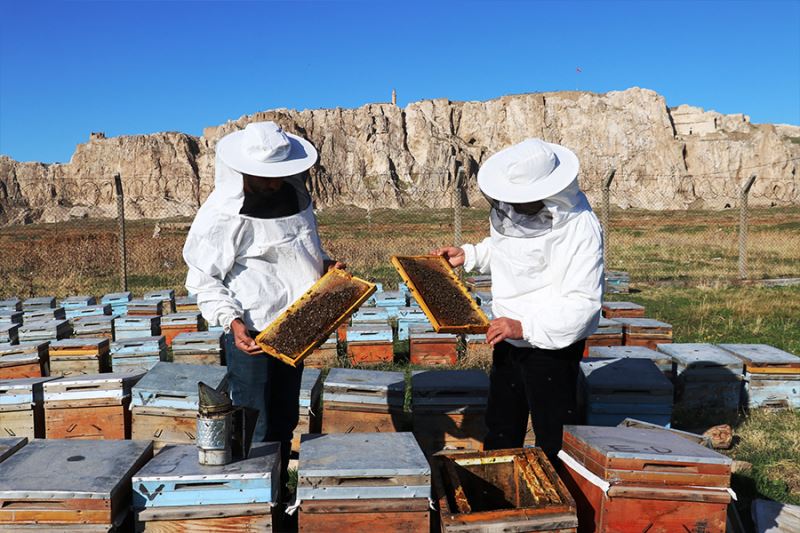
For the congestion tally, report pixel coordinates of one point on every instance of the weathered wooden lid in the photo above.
(176, 380)
(622, 305)
(355, 380)
(626, 375)
(701, 356)
(116, 297)
(761, 354)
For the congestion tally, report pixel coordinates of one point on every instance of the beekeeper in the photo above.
(252, 250)
(545, 255)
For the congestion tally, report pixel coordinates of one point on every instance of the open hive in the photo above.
(501, 490)
(441, 294)
(310, 320)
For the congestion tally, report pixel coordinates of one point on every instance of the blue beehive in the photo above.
(72, 302)
(38, 302)
(137, 355)
(612, 390)
(118, 301)
(45, 330)
(371, 315)
(134, 327)
(370, 333)
(391, 301)
(165, 296)
(408, 317)
(11, 304)
(43, 313)
(771, 376)
(88, 310)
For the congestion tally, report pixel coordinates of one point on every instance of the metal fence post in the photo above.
(123, 253)
(606, 210)
(457, 207)
(743, 216)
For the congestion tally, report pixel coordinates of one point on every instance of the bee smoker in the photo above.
(224, 431)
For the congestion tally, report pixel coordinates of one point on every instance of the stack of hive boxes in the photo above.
(26, 360)
(362, 482)
(611, 390)
(608, 333)
(176, 323)
(165, 402)
(199, 348)
(428, 348)
(173, 492)
(449, 408)
(94, 326)
(22, 407)
(89, 406)
(88, 355)
(771, 376)
(392, 301)
(370, 342)
(185, 304)
(646, 332)
(165, 296)
(310, 406)
(363, 401)
(137, 355)
(407, 317)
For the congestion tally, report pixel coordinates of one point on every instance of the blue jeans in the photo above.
(269, 386)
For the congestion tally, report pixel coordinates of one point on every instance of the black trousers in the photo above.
(532, 382)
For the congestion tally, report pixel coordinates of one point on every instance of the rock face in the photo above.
(380, 155)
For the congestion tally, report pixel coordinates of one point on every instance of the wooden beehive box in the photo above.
(39, 302)
(22, 407)
(136, 326)
(45, 330)
(363, 401)
(86, 355)
(165, 296)
(325, 355)
(26, 360)
(608, 333)
(646, 332)
(69, 484)
(617, 282)
(145, 308)
(611, 390)
(428, 348)
(771, 376)
(185, 304)
(440, 293)
(479, 283)
(661, 360)
(633, 480)
(691, 437)
(392, 301)
(708, 380)
(89, 310)
(94, 326)
(449, 408)
(11, 304)
(118, 301)
(407, 317)
(89, 406)
(165, 402)
(363, 482)
(310, 406)
(370, 315)
(177, 323)
(370, 343)
(173, 492)
(305, 324)
(43, 313)
(8, 446)
(199, 348)
(501, 490)
(622, 310)
(75, 302)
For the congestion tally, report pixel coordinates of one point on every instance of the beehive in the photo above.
(370, 343)
(118, 301)
(771, 376)
(691, 437)
(89, 310)
(622, 310)
(11, 304)
(363, 482)
(501, 490)
(177, 323)
(74, 302)
(67, 485)
(363, 401)
(22, 407)
(449, 408)
(137, 355)
(479, 283)
(310, 406)
(617, 282)
(45, 330)
(662, 361)
(645, 332)
(370, 315)
(407, 317)
(165, 296)
(612, 390)
(633, 480)
(38, 302)
(311, 319)
(428, 348)
(94, 326)
(708, 380)
(173, 492)
(89, 406)
(440, 293)
(43, 313)
(165, 402)
(87, 355)
(392, 301)
(145, 307)
(608, 333)
(185, 304)
(26, 360)
(199, 348)
(325, 355)
(134, 327)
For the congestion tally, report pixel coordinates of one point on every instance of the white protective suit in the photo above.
(246, 267)
(552, 279)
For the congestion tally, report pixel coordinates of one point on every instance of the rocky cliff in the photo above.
(381, 155)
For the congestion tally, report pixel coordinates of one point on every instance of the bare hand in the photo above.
(454, 255)
(501, 329)
(243, 340)
(330, 264)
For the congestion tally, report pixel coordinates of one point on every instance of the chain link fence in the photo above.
(138, 245)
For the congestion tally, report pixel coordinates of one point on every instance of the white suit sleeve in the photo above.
(478, 256)
(572, 310)
(210, 252)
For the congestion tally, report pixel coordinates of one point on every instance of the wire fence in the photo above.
(657, 228)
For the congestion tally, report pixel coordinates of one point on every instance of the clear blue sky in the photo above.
(71, 67)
